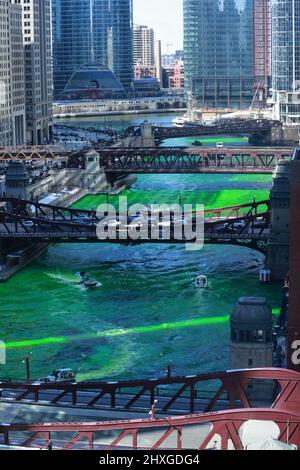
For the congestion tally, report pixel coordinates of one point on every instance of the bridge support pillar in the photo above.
(93, 176)
(3, 252)
(16, 181)
(278, 243)
(293, 358)
(251, 343)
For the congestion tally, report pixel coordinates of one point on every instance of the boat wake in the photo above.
(70, 280)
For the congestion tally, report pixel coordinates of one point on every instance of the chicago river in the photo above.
(147, 313)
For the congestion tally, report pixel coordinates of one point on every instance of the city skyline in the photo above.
(165, 17)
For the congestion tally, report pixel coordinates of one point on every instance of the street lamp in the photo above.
(26, 361)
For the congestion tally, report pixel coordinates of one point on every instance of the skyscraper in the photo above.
(88, 31)
(12, 84)
(5, 110)
(286, 59)
(38, 69)
(262, 49)
(143, 46)
(17, 74)
(120, 47)
(220, 51)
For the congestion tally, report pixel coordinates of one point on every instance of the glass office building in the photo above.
(219, 53)
(92, 30)
(286, 59)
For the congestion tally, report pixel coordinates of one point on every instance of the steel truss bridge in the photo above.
(244, 225)
(129, 160)
(171, 426)
(232, 126)
(192, 160)
(30, 153)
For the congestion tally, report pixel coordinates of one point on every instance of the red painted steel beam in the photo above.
(234, 383)
(238, 415)
(227, 424)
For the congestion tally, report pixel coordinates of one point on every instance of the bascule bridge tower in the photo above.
(16, 180)
(279, 239)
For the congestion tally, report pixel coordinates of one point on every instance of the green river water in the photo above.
(147, 312)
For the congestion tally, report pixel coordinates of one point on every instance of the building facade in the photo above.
(92, 31)
(142, 71)
(262, 49)
(221, 53)
(286, 59)
(120, 47)
(5, 108)
(143, 46)
(17, 74)
(176, 74)
(38, 70)
(12, 78)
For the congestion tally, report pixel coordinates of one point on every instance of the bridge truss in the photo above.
(244, 225)
(31, 153)
(191, 160)
(229, 126)
(157, 432)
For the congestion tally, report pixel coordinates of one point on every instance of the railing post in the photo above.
(192, 398)
(113, 399)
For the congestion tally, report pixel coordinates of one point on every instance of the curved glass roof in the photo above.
(93, 77)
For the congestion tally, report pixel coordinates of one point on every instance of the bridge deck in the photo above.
(246, 225)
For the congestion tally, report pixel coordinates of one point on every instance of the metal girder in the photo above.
(230, 127)
(25, 153)
(244, 225)
(232, 386)
(155, 433)
(172, 160)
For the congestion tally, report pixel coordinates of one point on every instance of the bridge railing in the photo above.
(284, 411)
(232, 384)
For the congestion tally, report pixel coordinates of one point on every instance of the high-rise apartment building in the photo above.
(225, 64)
(38, 69)
(262, 49)
(143, 46)
(92, 31)
(286, 59)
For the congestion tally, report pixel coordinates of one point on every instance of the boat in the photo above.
(185, 121)
(59, 376)
(86, 281)
(220, 145)
(201, 282)
(90, 284)
(179, 121)
(197, 143)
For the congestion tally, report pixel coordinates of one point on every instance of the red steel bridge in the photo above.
(244, 225)
(195, 428)
(190, 160)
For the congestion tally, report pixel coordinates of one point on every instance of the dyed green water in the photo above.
(214, 140)
(210, 200)
(209, 190)
(147, 312)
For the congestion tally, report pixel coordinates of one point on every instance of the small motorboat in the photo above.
(91, 284)
(201, 282)
(197, 143)
(86, 281)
